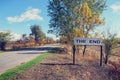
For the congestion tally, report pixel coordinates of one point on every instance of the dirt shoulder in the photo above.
(59, 67)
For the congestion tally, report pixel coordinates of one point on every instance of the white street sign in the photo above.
(87, 41)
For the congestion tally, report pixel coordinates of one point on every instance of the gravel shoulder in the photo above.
(59, 67)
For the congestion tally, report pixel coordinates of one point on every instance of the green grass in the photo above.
(55, 50)
(8, 75)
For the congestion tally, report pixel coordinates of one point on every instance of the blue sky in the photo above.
(112, 17)
(18, 15)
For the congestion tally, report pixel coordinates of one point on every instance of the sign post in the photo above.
(100, 55)
(74, 50)
(89, 42)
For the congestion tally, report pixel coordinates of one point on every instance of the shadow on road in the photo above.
(40, 49)
(37, 50)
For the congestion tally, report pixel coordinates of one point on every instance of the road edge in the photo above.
(9, 74)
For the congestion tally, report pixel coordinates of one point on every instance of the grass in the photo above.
(54, 50)
(8, 75)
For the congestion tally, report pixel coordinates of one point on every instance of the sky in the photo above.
(18, 15)
(112, 17)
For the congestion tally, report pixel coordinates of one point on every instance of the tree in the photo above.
(78, 32)
(87, 20)
(63, 39)
(37, 32)
(23, 36)
(63, 15)
(109, 42)
(4, 38)
(31, 37)
(49, 40)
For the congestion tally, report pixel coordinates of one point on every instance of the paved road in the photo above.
(11, 59)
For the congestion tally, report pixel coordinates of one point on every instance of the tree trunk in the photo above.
(86, 35)
(84, 50)
(106, 58)
(108, 52)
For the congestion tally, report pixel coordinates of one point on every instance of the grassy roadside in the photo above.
(12, 72)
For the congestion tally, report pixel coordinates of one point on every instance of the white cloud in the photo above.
(15, 36)
(115, 8)
(29, 14)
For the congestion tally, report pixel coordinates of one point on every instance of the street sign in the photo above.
(88, 41)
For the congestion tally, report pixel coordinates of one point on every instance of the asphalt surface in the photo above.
(12, 59)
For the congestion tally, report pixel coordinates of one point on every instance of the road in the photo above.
(12, 59)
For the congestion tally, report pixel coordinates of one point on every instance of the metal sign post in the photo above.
(100, 55)
(74, 50)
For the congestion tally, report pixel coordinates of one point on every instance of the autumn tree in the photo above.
(78, 32)
(63, 39)
(64, 13)
(86, 20)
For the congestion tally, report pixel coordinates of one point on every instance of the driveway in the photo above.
(12, 59)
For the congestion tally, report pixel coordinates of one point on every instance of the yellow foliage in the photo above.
(78, 32)
(87, 17)
(63, 38)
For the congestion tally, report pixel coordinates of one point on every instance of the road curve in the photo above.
(12, 59)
